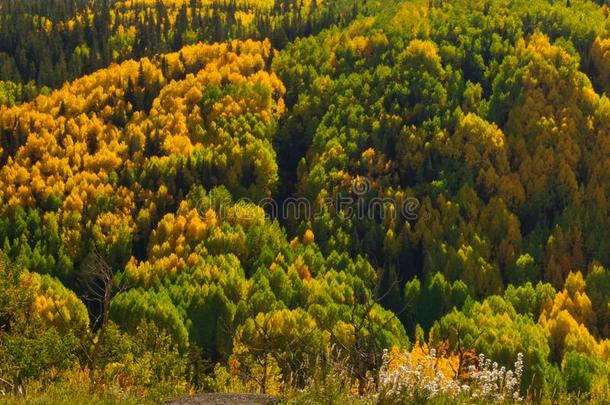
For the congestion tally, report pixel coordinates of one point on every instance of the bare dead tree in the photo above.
(100, 282)
(365, 352)
(466, 355)
(273, 346)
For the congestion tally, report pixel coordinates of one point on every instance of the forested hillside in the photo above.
(44, 43)
(328, 201)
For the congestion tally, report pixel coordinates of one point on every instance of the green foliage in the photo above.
(436, 298)
(478, 131)
(33, 357)
(494, 328)
(579, 371)
(136, 305)
(31, 347)
(527, 299)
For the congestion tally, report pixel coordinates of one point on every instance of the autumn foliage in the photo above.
(142, 144)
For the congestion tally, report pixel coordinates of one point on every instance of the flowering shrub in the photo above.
(415, 377)
(493, 383)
